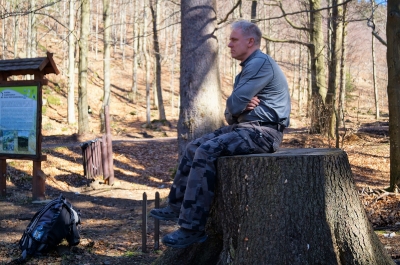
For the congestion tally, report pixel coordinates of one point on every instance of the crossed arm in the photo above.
(253, 103)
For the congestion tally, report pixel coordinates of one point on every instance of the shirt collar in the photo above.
(249, 58)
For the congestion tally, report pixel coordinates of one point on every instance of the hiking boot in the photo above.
(183, 238)
(166, 214)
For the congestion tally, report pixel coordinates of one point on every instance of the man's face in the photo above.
(240, 45)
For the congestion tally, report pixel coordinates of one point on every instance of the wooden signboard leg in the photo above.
(3, 182)
(38, 182)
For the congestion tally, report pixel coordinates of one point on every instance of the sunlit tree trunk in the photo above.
(148, 65)
(3, 38)
(135, 49)
(393, 61)
(16, 36)
(71, 64)
(97, 29)
(316, 48)
(155, 11)
(376, 92)
(301, 76)
(342, 84)
(174, 36)
(200, 86)
(106, 61)
(83, 119)
(335, 53)
(29, 35)
(122, 33)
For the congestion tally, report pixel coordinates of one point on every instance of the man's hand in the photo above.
(253, 103)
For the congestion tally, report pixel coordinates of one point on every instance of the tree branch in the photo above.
(304, 11)
(26, 12)
(230, 12)
(287, 41)
(376, 35)
(288, 20)
(371, 24)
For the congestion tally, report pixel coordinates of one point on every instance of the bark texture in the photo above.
(393, 62)
(318, 79)
(296, 206)
(201, 111)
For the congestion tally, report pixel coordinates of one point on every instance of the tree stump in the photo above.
(295, 206)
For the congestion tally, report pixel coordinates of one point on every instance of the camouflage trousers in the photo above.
(192, 191)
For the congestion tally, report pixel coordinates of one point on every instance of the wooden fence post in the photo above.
(110, 179)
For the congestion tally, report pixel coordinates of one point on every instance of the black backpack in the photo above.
(49, 226)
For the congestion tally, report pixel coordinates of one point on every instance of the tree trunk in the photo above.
(148, 64)
(16, 35)
(299, 86)
(3, 38)
(317, 68)
(376, 91)
(83, 119)
(33, 40)
(335, 53)
(154, 8)
(200, 88)
(97, 31)
(342, 83)
(135, 49)
(295, 206)
(343, 60)
(106, 61)
(71, 64)
(174, 36)
(253, 11)
(393, 57)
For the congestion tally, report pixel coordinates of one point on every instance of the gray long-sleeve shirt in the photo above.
(262, 77)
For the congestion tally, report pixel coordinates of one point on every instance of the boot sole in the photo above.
(200, 240)
(175, 219)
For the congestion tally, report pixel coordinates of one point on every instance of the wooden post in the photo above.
(38, 182)
(144, 223)
(3, 177)
(157, 224)
(104, 158)
(109, 146)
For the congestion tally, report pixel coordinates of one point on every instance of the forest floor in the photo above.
(112, 215)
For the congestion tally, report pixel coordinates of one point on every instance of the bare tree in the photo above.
(148, 64)
(154, 7)
(342, 83)
(376, 92)
(135, 37)
(335, 53)
(71, 64)
(393, 88)
(16, 20)
(106, 61)
(83, 119)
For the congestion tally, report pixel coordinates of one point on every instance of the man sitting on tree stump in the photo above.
(257, 112)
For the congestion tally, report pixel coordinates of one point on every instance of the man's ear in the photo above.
(251, 42)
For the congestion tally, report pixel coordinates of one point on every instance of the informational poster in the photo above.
(18, 120)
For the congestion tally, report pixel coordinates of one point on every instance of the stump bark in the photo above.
(295, 206)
